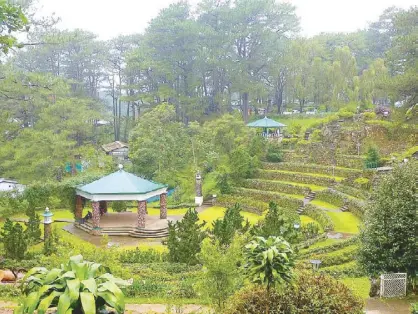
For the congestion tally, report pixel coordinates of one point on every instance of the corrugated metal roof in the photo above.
(113, 146)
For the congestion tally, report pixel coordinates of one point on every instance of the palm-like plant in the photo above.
(78, 287)
(269, 261)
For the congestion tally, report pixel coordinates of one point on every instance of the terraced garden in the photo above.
(319, 194)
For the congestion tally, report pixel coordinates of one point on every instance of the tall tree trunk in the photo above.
(245, 106)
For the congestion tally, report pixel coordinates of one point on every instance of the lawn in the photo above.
(212, 213)
(359, 286)
(345, 222)
(324, 205)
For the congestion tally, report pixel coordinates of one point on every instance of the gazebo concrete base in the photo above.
(125, 224)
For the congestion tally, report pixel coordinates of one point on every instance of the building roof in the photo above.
(265, 123)
(121, 183)
(113, 146)
(7, 181)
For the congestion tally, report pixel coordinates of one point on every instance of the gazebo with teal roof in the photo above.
(120, 186)
(265, 124)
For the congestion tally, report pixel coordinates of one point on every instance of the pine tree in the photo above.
(276, 224)
(388, 242)
(225, 229)
(372, 158)
(14, 240)
(33, 230)
(185, 238)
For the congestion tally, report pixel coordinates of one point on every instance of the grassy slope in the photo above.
(345, 222)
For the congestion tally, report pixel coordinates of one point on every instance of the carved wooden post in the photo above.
(163, 206)
(142, 207)
(78, 209)
(96, 218)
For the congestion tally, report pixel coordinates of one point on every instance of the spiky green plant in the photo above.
(77, 287)
(269, 261)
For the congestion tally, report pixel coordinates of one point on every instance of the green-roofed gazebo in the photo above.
(266, 124)
(120, 186)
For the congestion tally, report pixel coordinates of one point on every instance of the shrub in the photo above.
(142, 256)
(362, 183)
(369, 115)
(266, 196)
(338, 257)
(275, 186)
(352, 191)
(350, 269)
(307, 243)
(246, 203)
(269, 261)
(274, 153)
(276, 224)
(77, 287)
(310, 231)
(9, 291)
(221, 275)
(223, 183)
(330, 248)
(119, 206)
(331, 197)
(372, 158)
(414, 308)
(303, 167)
(295, 177)
(345, 113)
(310, 293)
(320, 216)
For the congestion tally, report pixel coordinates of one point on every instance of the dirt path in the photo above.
(373, 306)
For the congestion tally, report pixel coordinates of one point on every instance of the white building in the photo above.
(7, 185)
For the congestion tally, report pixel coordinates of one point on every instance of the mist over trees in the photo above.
(212, 59)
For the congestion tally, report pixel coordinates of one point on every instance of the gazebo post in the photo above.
(163, 206)
(96, 218)
(142, 208)
(78, 209)
(103, 206)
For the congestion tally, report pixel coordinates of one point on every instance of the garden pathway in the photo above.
(373, 306)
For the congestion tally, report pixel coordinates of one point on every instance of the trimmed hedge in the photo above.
(247, 204)
(331, 197)
(352, 191)
(339, 199)
(356, 207)
(311, 168)
(350, 161)
(267, 196)
(330, 248)
(337, 257)
(319, 215)
(308, 243)
(294, 177)
(275, 187)
(350, 269)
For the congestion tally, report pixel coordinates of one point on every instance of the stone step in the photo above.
(157, 236)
